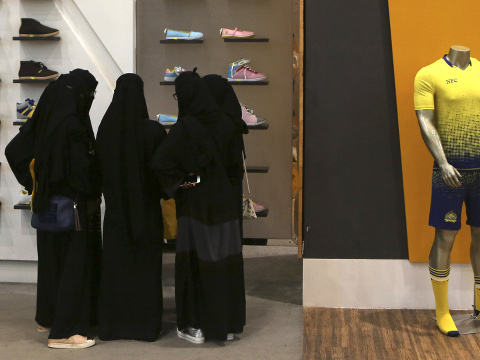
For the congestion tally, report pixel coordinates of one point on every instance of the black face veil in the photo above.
(62, 111)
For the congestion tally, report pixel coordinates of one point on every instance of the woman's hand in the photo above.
(188, 185)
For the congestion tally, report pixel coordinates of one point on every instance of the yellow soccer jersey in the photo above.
(454, 94)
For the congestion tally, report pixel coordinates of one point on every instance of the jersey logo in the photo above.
(451, 217)
(449, 81)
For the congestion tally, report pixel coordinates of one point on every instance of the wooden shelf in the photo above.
(19, 123)
(241, 82)
(167, 82)
(181, 41)
(247, 40)
(34, 81)
(22, 207)
(33, 38)
(257, 169)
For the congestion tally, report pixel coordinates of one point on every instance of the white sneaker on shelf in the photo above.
(24, 198)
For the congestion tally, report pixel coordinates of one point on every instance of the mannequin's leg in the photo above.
(475, 258)
(440, 272)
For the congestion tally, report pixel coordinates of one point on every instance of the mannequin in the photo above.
(446, 103)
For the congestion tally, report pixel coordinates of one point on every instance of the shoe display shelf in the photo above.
(262, 214)
(263, 126)
(257, 169)
(181, 41)
(33, 38)
(236, 82)
(247, 40)
(34, 81)
(21, 206)
(241, 82)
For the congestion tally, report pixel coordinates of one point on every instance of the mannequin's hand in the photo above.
(450, 175)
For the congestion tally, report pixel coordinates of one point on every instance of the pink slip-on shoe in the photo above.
(235, 33)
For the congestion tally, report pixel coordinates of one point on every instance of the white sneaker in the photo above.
(24, 198)
(191, 334)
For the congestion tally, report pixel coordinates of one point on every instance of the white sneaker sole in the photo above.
(255, 124)
(39, 77)
(40, 35)
(247, 80)
(84, 345)
(194, 340)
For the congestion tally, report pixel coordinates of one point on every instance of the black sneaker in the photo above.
(31, 27)
(35, 70)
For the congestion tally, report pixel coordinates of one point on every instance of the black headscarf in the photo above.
(226, 99)
(62, 113)
(228, 102)
(121, 151)
(201, 130)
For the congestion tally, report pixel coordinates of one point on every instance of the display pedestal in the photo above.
(465, 323)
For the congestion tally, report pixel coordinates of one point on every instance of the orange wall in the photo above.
(422, 32)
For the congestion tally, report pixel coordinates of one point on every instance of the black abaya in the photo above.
(131, 302)
(59, 137)
(209, 279)
(228, 103)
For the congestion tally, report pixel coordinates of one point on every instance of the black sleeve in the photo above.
(153, 134)
(81, 166)
(19, 154)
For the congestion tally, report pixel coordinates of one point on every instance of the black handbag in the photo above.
(61, 216)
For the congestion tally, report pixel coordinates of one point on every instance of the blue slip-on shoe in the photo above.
(167, 119)
(182, 35)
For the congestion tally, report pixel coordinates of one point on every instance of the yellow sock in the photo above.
(440, 289)
(477, 296)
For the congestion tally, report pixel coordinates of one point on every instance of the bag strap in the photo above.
(246, 175)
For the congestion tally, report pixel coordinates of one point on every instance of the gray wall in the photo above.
(268, 18)
(353, 182)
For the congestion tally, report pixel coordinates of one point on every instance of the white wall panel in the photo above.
(367, 284)
(113, 22)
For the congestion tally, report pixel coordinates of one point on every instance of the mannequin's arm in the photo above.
(431, 138)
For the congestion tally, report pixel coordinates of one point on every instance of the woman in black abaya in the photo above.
(209, 279)
(60, 138)
(131, 285)
(228, 103)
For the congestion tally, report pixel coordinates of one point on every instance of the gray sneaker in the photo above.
(191, 334)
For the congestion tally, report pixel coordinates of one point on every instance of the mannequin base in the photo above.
(465, 323)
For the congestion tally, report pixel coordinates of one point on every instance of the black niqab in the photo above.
(200, 131)
(226, 99)
(62, 112)
(122, 155)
